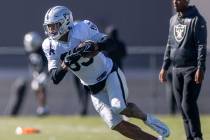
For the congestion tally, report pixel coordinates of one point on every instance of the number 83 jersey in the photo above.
(90, 71)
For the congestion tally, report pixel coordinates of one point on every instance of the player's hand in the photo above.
(199, 75)
(162, 75)
(64, 66)
(87, 48)
(71, 58)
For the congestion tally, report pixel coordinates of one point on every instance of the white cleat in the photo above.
(42, 111)
(160, 138)
(157, 125)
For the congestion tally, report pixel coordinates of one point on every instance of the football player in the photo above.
(38, 68)
(76, 48)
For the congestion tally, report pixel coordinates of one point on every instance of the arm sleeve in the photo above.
(166, 59)
(57, 74)
(200, 32)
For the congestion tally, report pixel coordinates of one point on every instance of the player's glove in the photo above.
(71, 58)
(86, 48)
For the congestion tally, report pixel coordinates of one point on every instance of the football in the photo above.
(87, 48)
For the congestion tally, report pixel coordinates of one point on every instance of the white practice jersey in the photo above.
(89, 70)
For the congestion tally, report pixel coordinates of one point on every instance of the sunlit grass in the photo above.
(84, 128)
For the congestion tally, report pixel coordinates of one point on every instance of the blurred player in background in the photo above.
(186, 52)
(38, 65)
(117, 48)
(83, 96)
(68, 48)
(38, 68)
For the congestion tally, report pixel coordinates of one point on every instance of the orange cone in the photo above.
(26, 131)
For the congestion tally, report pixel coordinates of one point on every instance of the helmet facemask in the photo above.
(53, 30)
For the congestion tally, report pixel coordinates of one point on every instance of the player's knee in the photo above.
(117, 106)
(35, 85)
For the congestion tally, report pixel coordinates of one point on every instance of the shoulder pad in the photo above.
(91, 25)
(46, 44)
(84, 30)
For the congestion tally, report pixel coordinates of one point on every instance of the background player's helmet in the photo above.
(32, 41)
(112, 32)
(57, 21)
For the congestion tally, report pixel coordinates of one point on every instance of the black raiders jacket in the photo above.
(187, 40)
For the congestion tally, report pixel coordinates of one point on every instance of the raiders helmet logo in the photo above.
(179, 32)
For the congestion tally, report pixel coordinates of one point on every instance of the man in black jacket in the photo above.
(186, 52)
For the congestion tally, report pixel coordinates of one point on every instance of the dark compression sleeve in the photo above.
(57, 74)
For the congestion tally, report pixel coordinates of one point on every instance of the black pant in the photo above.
(186, 94)
(170, 94)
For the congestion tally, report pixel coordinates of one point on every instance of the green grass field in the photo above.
(87, 128)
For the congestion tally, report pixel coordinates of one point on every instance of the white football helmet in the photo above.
(32, 41)
(57, 21)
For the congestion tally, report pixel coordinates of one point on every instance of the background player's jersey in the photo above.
(89, 70)
(37, 61)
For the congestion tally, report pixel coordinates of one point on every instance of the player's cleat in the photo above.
(160, 138)
(157, 126)
(42, 111)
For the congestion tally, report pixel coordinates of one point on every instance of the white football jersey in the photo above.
(89, 70)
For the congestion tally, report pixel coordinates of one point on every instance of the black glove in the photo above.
(71, 58)
(86, 48)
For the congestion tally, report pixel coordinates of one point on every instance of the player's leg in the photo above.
(115, 121)
(41, 100)
(133, 132)
(133, 111)
(118, 92)
(18, 94)
(38, 85)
